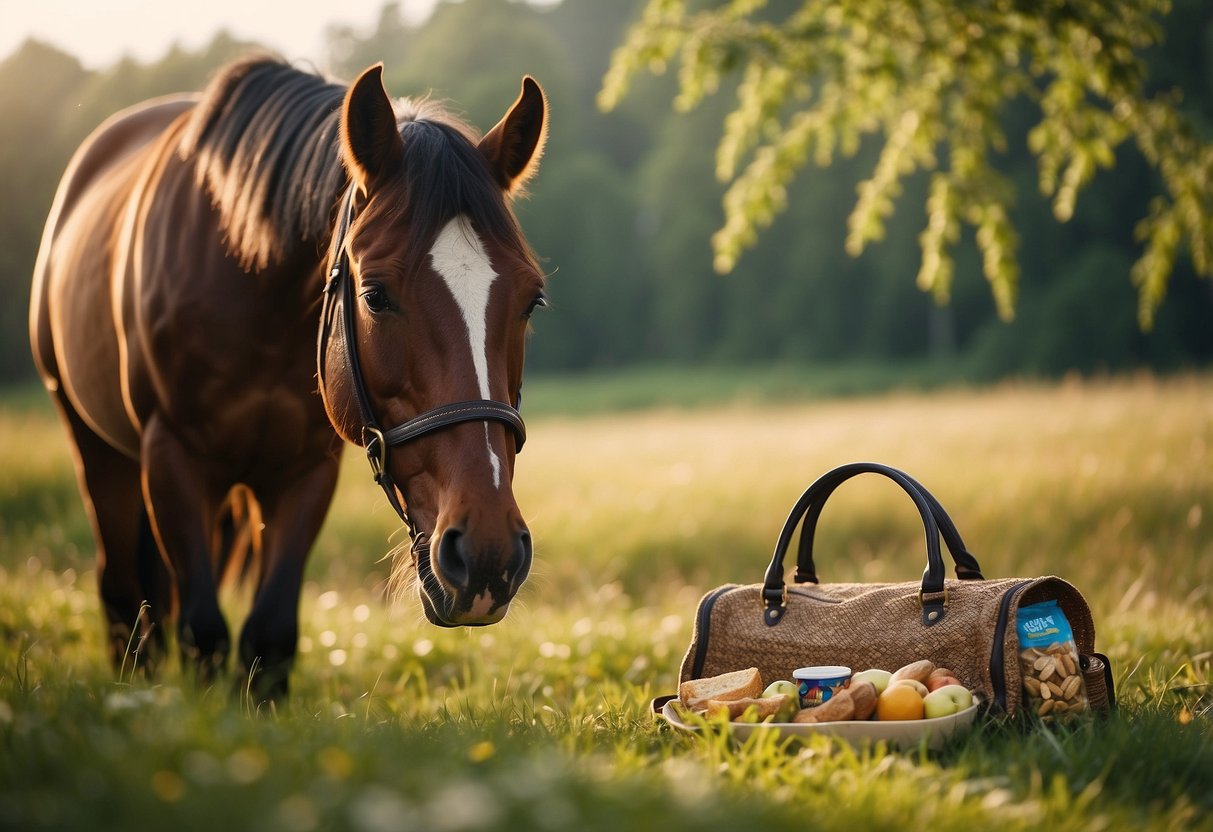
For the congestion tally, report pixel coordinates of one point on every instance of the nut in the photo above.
(1051, 680)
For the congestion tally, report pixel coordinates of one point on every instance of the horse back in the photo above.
(76, 337)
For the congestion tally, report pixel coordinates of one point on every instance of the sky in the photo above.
(99, 32)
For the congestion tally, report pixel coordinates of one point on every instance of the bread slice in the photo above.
(727, 687)
(765, 707)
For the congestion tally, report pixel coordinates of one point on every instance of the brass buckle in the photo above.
(376, 451)
(783, 602)
(945, 598)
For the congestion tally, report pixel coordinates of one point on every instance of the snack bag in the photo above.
(1052, 679)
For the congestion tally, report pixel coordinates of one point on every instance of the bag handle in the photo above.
(932, 597)
(967, 567)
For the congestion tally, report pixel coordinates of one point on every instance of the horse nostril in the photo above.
(458, 564)
(520, 564)
(451, 563)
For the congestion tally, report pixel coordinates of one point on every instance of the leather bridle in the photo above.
(339, 292)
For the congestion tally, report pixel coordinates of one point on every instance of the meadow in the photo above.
(542, 722)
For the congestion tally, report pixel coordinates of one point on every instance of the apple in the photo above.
(783, 686)
(878, 678)
(936, 682)
(918, 686)
(947, 700)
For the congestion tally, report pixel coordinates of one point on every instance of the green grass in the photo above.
(540, 722)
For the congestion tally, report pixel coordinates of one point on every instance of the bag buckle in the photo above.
(921, 604)
(772, 614)
(935, 612)
(768, 602)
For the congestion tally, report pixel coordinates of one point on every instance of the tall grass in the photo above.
(540, 722)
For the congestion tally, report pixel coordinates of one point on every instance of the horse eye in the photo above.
(540, 302)
(376, 300)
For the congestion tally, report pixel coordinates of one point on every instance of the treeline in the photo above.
(625, 203)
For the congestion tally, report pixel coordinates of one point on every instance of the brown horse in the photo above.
(195, 245)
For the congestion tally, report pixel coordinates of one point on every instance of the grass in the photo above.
(541, 722)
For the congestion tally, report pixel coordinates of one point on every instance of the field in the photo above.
(541, 722)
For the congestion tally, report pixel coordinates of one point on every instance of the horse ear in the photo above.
(370, 139)
(515, 145)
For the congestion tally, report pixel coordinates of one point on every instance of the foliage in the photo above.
(933, 78)
(625, 201)
(541, 721)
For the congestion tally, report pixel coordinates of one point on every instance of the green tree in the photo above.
(34, 145)
(933, 79)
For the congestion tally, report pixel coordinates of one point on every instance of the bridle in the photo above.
(339, 292)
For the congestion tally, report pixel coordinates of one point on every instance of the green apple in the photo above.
(782, 686)
(878, 678)
(947, 700)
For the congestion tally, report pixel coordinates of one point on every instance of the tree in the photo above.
(932, 79)
(33, 148)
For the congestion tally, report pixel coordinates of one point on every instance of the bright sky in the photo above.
(99, 32)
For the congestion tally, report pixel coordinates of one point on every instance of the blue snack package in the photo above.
(1043, 624)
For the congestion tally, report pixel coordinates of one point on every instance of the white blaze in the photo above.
(459, 258)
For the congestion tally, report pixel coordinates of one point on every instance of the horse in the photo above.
(233, 284)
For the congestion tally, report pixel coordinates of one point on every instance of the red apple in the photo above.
(936, 682)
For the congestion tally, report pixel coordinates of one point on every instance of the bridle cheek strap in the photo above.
(339, 291)
(377, 442)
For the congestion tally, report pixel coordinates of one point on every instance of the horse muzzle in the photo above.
(464, 584)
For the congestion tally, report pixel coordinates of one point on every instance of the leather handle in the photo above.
(932, 595)
(966, 566)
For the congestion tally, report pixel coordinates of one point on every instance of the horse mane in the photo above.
(265, 143)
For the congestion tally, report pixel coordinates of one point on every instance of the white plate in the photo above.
(901, 732)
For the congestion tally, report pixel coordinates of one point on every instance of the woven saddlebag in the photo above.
(966, 624)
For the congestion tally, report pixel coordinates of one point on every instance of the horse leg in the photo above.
(131, 575)
(293, 515)
(182, 504)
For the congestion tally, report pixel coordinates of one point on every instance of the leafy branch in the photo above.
(931, 77)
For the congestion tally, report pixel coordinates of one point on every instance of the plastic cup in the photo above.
(817, 684)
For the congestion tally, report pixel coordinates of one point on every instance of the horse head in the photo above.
(431, 285)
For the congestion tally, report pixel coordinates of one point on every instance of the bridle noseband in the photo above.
(339, 291)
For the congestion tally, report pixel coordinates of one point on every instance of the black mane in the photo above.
(264, 138)
(265, 142)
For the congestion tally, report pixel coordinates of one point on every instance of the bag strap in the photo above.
(932, 597)
(967, 567)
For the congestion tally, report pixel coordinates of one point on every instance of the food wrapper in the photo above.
(1048, 658)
